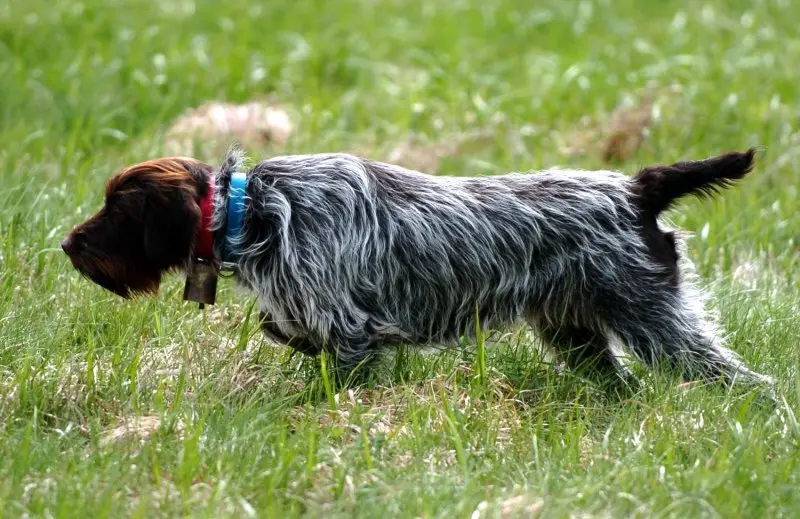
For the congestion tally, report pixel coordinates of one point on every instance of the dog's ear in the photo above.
(170, 227)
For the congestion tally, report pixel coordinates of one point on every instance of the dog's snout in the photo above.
(72, 244)
(67, 244)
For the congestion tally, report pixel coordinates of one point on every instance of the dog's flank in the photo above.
(348, 255)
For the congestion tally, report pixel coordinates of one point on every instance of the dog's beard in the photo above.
(108, 274)
(107, 283)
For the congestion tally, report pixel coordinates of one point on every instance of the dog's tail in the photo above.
(658, 187)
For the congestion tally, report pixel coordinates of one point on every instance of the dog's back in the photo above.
(404, 251)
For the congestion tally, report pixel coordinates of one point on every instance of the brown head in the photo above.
(147, 226)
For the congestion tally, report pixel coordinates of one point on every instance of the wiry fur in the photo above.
(349, 255)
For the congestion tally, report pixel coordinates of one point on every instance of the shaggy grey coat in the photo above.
(348, 255)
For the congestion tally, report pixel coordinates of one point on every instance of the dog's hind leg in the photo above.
(582, 349)
(669, 325)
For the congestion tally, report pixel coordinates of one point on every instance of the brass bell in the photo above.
(201, 283)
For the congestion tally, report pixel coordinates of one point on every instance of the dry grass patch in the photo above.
(206, 132)
(425, 408)
(617, 137)
(137, 429)
(419, 153)
(757, 270)
(427, 156)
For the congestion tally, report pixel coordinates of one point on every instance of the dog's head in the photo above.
(147, 226)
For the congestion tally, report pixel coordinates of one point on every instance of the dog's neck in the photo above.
(237, 189)
(201, 276)
(204, 248)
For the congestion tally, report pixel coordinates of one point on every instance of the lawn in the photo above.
(154, 408)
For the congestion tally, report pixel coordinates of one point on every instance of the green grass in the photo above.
(247, 430)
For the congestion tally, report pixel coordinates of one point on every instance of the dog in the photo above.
(349, 256)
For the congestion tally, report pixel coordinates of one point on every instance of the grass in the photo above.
(247, 430)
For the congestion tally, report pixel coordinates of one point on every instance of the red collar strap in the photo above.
(205, 241)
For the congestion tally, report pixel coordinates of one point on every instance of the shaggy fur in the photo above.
(349, 255)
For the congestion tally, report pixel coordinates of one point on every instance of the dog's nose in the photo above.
(67, 244)
(71, 244)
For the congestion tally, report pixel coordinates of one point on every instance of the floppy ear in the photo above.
(170, 228)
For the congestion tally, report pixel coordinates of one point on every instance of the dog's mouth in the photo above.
(93, 270)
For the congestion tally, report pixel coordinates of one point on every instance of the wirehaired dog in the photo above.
(349, 255)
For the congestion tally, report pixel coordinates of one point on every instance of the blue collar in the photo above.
(236, 194)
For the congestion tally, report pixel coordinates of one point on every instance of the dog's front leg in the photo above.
(271, 329)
